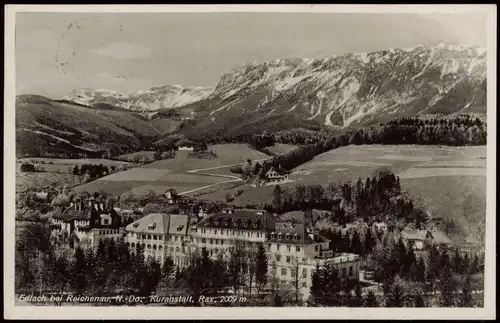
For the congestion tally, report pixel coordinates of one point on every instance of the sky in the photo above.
(127, 52)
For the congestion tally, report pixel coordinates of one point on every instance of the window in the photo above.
(215, 232)
(203, 240)
(176, 238)
(293, 273)
(288, 259)
(288, 248)
(211, 241)
(304, 272)
(149, 236)
(316, 248)
(344, 270)
(350, 271)
(278, 257)
(283, 272)
(154, 237)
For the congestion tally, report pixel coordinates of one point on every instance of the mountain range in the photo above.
(339, 92)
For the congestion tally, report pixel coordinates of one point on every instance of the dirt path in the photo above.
(202, 171)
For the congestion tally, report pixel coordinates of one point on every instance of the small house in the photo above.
(440, 239)
(417, 239)
(275, 175)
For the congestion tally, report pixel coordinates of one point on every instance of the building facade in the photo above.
(160, 235)
(219, 232)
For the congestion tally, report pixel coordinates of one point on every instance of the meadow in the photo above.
(161, 175)
(25, 181)
(450, 182)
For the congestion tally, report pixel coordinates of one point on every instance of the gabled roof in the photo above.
(178, 224)
(414, 234)
(240, 219)
(155, 223)
(72, 214)
(280, 171)
(440, 237)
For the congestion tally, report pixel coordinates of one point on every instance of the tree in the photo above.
(168, 267)
(261, 268)
(78, 271)
(76, 171)
(419, 300)
(236, 265)
(447, 287)
(277, 198)
(465, 297)
(371, 299)
(358, 296)
(396, 294)
(316, 288)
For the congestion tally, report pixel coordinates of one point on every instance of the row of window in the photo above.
(155, 237)
(288, 247)
(284, 272)
(231, 233)
(289, 259)
(110, 231)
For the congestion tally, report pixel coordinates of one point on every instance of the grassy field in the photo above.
(73, 162)
(137, 156)
(448, 181)
(281, 149)
(25, 181)
(172, 173)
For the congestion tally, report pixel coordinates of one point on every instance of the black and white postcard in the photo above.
(310, 161)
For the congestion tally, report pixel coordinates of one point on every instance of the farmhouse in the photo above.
(275, 175)
(417, 239)
(159, 235)
(440, 239)
(186, 148)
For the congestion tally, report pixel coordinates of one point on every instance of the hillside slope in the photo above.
(45, 127)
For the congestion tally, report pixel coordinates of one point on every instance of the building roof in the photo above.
(243, 219)
(280, 171)
(294, 233)
(73, 214)
(156, 223)
(414, 234)
(440, 237)
(179, 224)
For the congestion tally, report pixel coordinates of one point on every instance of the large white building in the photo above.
(160, 235)
(294, 251)
(219, 232)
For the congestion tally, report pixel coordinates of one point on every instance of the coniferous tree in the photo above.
(78, 270)
(396, 294)
(447, 287)
(261, 267)
(465, 297)
(316, 285)
(371, 299)
(419, 300)
(358, 296)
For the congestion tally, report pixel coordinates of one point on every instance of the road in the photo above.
(202, 171)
